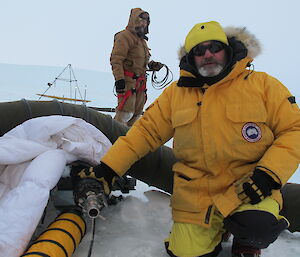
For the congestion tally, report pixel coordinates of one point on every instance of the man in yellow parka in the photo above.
(237, 140)
(129, 61)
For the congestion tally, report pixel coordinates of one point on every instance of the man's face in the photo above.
(143, 22)
(210, 58)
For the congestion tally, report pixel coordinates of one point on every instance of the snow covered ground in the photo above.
(137, 226)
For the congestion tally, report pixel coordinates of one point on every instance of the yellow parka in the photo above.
(213, 140)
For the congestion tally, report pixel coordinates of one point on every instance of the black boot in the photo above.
(246, 254)
(239, 250)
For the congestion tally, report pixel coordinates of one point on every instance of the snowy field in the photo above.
(137, 226)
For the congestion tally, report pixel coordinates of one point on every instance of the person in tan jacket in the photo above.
(236, 136)
(129, 61)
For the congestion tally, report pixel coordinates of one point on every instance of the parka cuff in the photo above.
(271, 173)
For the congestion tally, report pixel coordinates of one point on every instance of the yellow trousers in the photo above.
(191, 240)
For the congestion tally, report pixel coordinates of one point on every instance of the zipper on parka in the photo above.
(208, 214)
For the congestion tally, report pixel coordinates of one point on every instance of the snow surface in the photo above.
(137, 226)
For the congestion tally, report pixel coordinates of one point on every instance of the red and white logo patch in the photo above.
(251, 132)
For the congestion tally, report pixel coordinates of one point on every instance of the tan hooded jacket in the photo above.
(130, 52)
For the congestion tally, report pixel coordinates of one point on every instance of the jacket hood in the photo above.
(242, 48)
(134, 19)
(241, 34)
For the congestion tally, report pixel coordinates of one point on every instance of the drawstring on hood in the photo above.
(250, 65)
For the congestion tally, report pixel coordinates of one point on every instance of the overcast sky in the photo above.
(80, 32)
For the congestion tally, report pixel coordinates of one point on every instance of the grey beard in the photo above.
(210, 72)
(141, 31)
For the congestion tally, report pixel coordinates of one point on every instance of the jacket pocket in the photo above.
(252, 112)
(186, 129)
(249, 134)
(185, 195)
(128, 63)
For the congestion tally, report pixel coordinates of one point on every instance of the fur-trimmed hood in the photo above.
(134, 20)
(241, 34)
(243, 47)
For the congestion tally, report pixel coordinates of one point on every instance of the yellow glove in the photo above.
(255, 187)
(102, 173)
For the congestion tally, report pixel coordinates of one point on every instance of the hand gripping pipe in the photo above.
(155, 169)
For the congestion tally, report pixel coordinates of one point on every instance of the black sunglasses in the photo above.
(145, 16)
(213, 47)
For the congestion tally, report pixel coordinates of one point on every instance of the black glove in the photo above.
(102, 173)
(155, 66)
(253, 189)
(120, 86)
